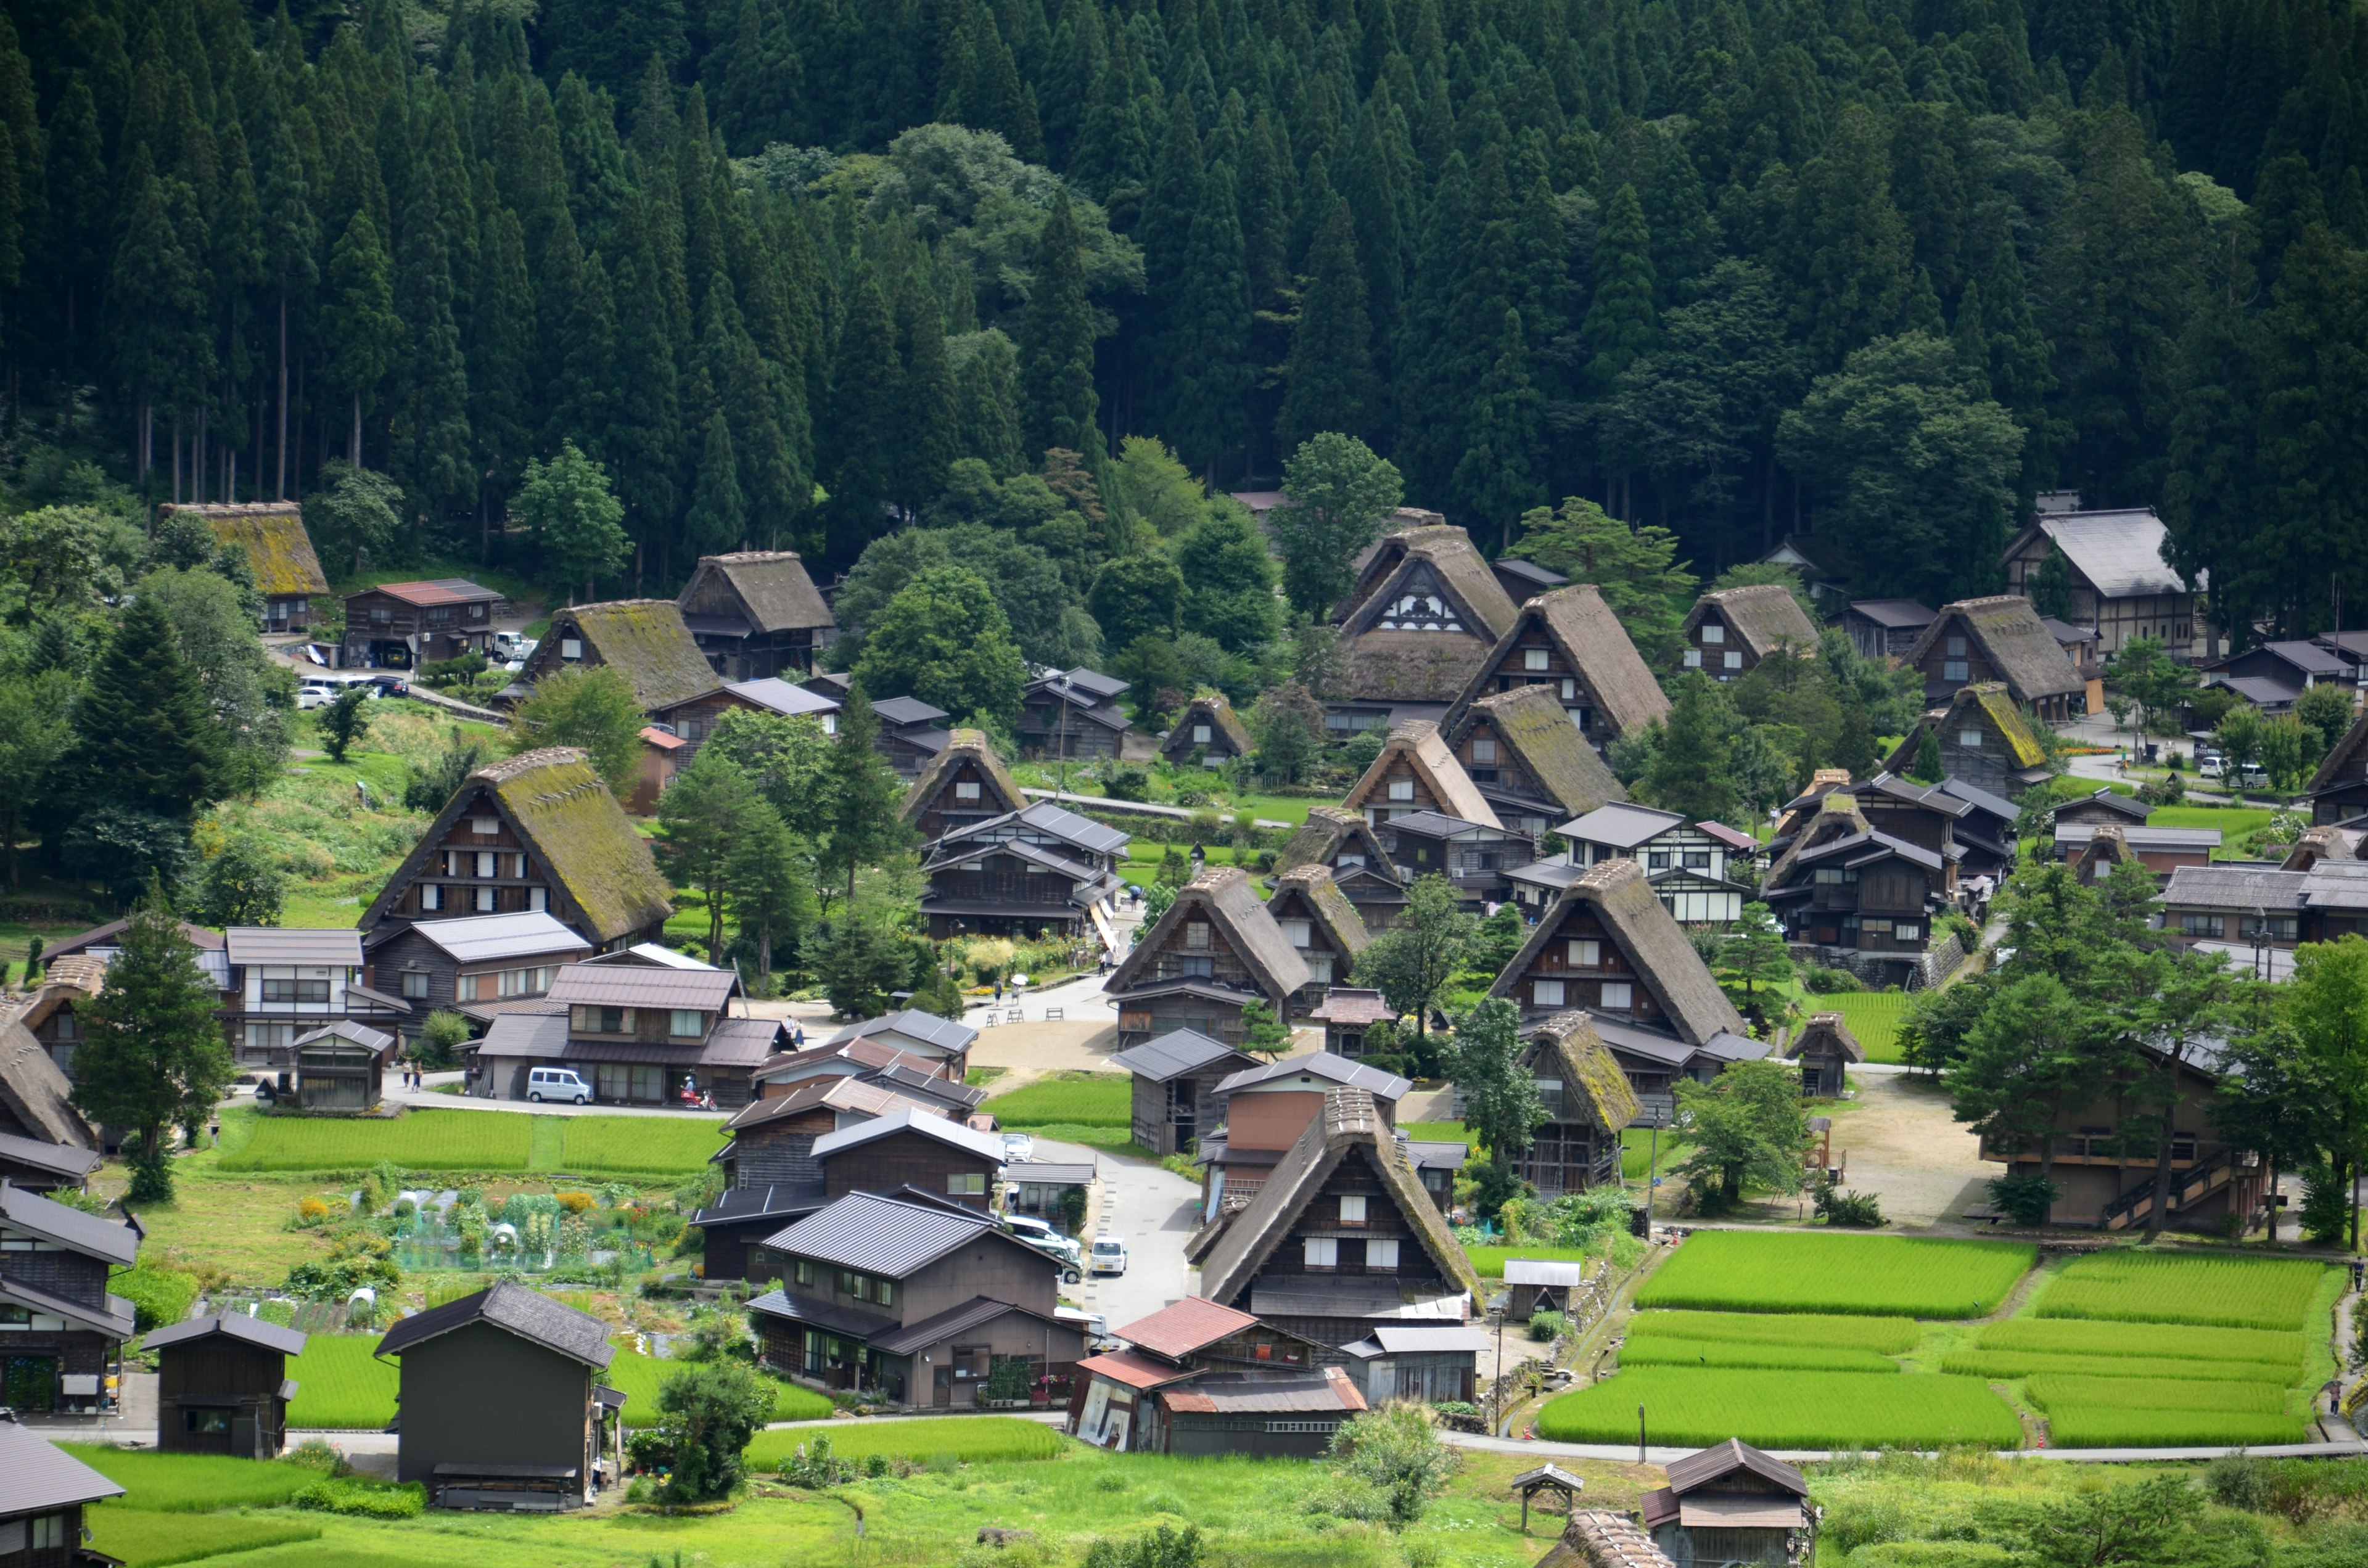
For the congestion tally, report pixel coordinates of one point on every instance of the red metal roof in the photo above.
(443, 591)
(664, 740)
(1256, 1393)
(1123, 1367)
(1177, 1331)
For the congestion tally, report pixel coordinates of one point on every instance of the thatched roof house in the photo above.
(1416, 772)
(1570, 643)
(1609, 946)
(1210, 726)
(754, 608)
(2000, 638)
(1529, 761)
(1984, 739)
(1316, 918)
(580, 858)
(1422, 616)
(2339, 790)
(34, 1092)
(1361, 867)
(1589, 1101)
(1215, 951)
(287, 572)
(644, 640)
(1750, 623)
(963, 785)
(1826, 1049)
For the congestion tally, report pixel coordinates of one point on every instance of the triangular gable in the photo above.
(771, 588)
(1568, 1041)
(1342, 840)
(1984, 704)
(2348, 761)
(1764, 614)
(644, 640)
(1454, 567)
(1223, 896)
(1826, 1034)
(2013, 640)
(1209, 707)
(1531, 723)
(1000, 793)
(1579, 626)
(1659, 955)
(1417, 745)
(1309, 893)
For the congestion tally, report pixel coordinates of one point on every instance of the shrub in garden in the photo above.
(1819, 980)
(1397, 1450)
(1859, 1210)
(1164, 1547)
(1544, 1326)
(707, 1415)
(2024, 1200)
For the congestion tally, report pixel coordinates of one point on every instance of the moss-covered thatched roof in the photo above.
(963, 745)
(272, 534)
(646, 641)
(1588, 1066)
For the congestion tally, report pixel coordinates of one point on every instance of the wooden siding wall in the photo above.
(481, 1395)
(1568, 683)
(906, 1158)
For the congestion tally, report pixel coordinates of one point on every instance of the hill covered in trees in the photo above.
(1881, 270)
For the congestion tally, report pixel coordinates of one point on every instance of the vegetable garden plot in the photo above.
(1783, 1410)
(1660, 1352)
(2071, 1336)
(420, 1141)
(1880, 1276)
(1885, 1336)
(2133, 1287)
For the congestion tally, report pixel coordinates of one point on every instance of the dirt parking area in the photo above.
(1902, 1145)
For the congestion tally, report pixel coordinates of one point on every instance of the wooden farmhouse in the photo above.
(1984, 834)
(1477, 859)
(1570, 643)
(1199, 1379)
(401, 626)
(1214, 952)
(873, 1061)
(65, 1332)
(911, 733)
(644, 641)
(534, 831)
(638, 1034)
(41, 1507)
(1416, 627)
(1417, 772)
(753, 614)
(1318, 918)
(482, 964)
(1730, 631)
(2161, 850)
(1998, 639)
(1827, 1050)
(1207, 730)
(1265, 1109)
(1690, 865)
(1861, 895)
(2104, 806)
(2106, 850)
(1073, 714)
(280, 984)
(1589, 1103)
(914, 1303)
(222, 1385)
(1426, 1363)
(45, 1143)
(2339, 790)
(1035, 871)
(287, 573)
(1175, 1078)
(1341, 1239)
(911, 1148)
(2119, 581)
(1541, 1285)
(502, 1403)
(1529, 761)
(1525, 580)
(54, 1012)
(1984, 739)
(1730, 1504)
(1344, 842)
(1884, 629)
(775, 696)
(962, 786)
(340, 1068)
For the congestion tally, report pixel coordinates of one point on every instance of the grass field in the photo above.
(635, 1145)
(339, 1384)
(969, 1438)
(1881, 1335)
(2070, 1336)
(1881, 1276)
(639, 1378)
(1783, 1410)
(2003, 1366)
(1872, 1015)
(2133, 1287)
(421, 1140)
(1639, 1153)
(1751, 1353)
(1074, 1100)
(2235, 822)
(188, 1484)
(1436, 1131)
(146, 1539)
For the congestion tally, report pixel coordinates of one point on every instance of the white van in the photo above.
(556, 1084)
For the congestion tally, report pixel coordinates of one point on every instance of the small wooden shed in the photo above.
(341, 1067)
(1540, 1285)
(1731, 1505)
(222, 1385)
(1430, 1363)
(1826, 1050)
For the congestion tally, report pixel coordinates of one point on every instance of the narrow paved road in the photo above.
(1153, 1211)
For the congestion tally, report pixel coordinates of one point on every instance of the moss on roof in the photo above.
(1994, 702)
(1588, 1066)
(646, 641)
(962, 745)
(1212, 706)
(1312, 884)
(277, 546)
(563, 810)
(1531, 721)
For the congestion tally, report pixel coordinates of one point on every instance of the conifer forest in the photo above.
(1878, 269)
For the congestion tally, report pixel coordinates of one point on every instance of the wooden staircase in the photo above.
(2186, 1188)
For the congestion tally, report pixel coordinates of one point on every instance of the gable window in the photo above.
(1534, 658)
(1321, 1252)
(684, 1021)
(1549, 1095)
(1196, 933)
(486, 825)
(1956, 669)
(1545, 993)
(1201, 734)
(1656, 860)
(571, 647)
(415, 984)
(1619, 995)
(1693, 658)
(1697, 860)
(1970, 739)
(487, 864)
(486, 901)
(1199, 968)
(1586, 952)
(1319, 967)
(1299, 933)
(1483, 750)
(1712, 633)
(1400, 788)
(1381, 1256)
(1956, 647)
(965, 791)
(1734, 660)
(1352, 1210)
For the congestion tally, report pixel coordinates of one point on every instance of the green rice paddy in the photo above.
(2231, 1293)
(1872, 1015)
(2056, 1390)
(491, 1143)
(1881, 1335)
(641, 1378)
(340, 1385)
(973, 1439)
(1783, 1410)
(147, 1539)
(1489, 1262)
(1765, 1271)
(2008, 1365)
(1751, 1353)
(636, 1145)
(187, 1483)
(2074, 1337)
(1079, 1099)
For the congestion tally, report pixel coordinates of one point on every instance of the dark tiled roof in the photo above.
(230, 1326)
(1699, 1470)
(1322, 1064)
(65, 1159)
(51, 1221)
(953, 1134)
(823, 1314)
(36, 1475)
(530, 1314)
(1174, 1053)
(114, 1320)
(885, 1235)
(636, 985)
(743, 1204)
(946, 1034)
(919, 1335)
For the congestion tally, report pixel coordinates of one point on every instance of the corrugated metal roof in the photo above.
(1082, 831)
(1429, 1339)
(231, 1325)
(780, 697)
(986, 1145)
(1123, 1367)
(2077, 834)
(1251, 1393)
(279, 944)
(884, 1235)
(1178, 1330)
(1622, 825)
(777, 1201)
(441, 591)
(1174, 1053)
(1982, 799)
(1700, 1469)
(62, 1158)
(1542, 1271)
(114, 1320)
(952, 1320)
(821, 1314)
(1893, 614)
(639, 985)
(1439, 824)
(36, 1475)
(52, 1221)
(946, 1034)
(526, 1034)
(1326, 1067)
(2120, 551)
(530, 1314)
(476, 938)
(897, 713)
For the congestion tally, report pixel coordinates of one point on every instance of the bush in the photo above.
(1164, 1547)
(2024, 1200)
(158, 1296)
(708, 1414)
(2325, 1211)
(1544, 1326)
(1860, 1210)
(362, 1500)
(1128, 782)
(1818, 980)
(648, 1451)
(1397, 1450)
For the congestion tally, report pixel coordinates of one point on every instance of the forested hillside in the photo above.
(1877, 269)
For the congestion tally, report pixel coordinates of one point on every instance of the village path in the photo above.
(1153, 1211)
(1903, 1147)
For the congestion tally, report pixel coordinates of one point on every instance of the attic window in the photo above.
(1586, 953)
(1713, 632)
(1956, 647)
(1352, 1209)
(1545, 993)
(1534, 658)
(1956, 669)
(1483, 750)
(1196, 933)
(1200, 735)
(1381, 1256)
(1297, 931)
(571, 647)
(965, 791)
(1618, 995)
(1400, 788)
(1970, 739)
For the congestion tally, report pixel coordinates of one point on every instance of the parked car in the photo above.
(390, 686)
(1051, 1243)
(2212, 765)
(1109, 1255)
(556, 1084)
(1018, 1148)
(309, 695)
(2255, 776)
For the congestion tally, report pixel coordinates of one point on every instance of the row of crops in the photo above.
(1796, 1341)
(481, 1142)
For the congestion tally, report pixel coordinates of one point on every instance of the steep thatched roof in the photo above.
(272, 534)
(643, 640)
(1430, 660)
(1984, 704)
(1593, 642)
(1587, 1067)
(972, 746)
(2343, 761)
(1417, 745)
(1651, 941)
(1311, 888)
(1822, 1035)
(1225, 896)
(771, 585)
(1327, 833)
(570, 823)
(2105, 850)
(2014, 640)
(1450, 554)
(1209, 707)
(1764, 615)
(34, 1092)
(1533, 722)
(1349, 1122)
